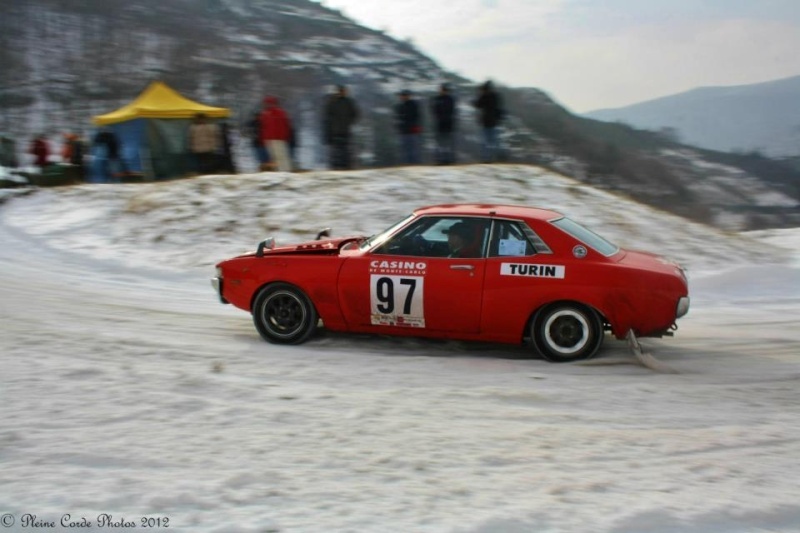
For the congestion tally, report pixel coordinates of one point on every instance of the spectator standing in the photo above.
(40, 150)
(341, 112)
(443, 108)
(78, 150)
(276, 133)
(490, 114)
(204, 143)
(73, 150)
(294, 145)
(227, 164)
(106, 164)
(73, 154)
(8, 152)
(409, 126)
(66, 148)
(260, 150)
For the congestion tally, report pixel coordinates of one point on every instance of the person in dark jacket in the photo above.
(8, 152)
(73, 153)
(409, 125)
(227, 164)
(107, 165)
(253, 128)
(490, 113)
(341, 112)
(443, 108)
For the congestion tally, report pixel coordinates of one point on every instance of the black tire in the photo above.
(283, 314)
(567, 331)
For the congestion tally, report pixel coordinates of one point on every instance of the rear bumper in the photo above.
(217, 284)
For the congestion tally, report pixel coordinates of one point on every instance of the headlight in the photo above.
(216, 282)
(683, 307)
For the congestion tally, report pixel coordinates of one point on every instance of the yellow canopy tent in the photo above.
(160, 101)
(152, 130)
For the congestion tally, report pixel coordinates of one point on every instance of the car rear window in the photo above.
(513, 238)
(586, 236)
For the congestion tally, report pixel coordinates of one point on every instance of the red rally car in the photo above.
(473, 272)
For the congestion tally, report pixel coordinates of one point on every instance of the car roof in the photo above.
(496, 210)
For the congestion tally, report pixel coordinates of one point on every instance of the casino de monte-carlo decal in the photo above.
(397, 293)
(533, 271)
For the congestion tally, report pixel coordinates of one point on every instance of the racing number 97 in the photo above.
(397, 300)
(384, 292)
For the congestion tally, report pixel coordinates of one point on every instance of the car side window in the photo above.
(430, 237)
(509, 239)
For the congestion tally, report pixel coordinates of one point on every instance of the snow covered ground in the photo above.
(127, 389)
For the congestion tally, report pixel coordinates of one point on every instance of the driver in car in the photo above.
(461, 240)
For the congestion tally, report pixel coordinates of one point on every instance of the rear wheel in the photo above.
(567, 331)
(283, 314)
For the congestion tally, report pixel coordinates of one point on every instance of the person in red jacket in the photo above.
(276, 131)
(40, 151)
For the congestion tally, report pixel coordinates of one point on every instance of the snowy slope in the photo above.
(195, 223)
(127, 389)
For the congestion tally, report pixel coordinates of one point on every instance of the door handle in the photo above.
(462, 267)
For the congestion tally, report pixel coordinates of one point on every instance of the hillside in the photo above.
(67, 61)
(732, 191)
(763, 117)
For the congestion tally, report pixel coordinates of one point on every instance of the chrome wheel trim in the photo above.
(565, 324)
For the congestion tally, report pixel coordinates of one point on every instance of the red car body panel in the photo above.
(487, 298)
(452, 297)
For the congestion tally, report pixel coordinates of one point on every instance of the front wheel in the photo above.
(567, 331)
(283, 314)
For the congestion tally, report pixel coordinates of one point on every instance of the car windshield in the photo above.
(587, 237)
(380, 238)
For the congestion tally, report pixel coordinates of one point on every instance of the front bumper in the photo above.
(217, 284)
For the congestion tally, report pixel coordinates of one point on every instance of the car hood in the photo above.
(318, 247)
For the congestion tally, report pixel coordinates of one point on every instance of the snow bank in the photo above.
(193, 224)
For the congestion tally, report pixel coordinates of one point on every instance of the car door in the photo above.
(521, 273)
(409, 282)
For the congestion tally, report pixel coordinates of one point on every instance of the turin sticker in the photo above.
(532, 271)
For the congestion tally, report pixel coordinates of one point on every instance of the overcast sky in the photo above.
(592, 54)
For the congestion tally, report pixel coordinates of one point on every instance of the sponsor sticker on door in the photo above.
(532, 271)
(397, 301)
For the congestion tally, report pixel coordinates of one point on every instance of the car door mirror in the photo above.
(266, 244)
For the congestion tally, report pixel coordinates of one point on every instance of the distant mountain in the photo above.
(762, 117)
(66, 61)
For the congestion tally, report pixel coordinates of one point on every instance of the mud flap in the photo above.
(645, 359)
